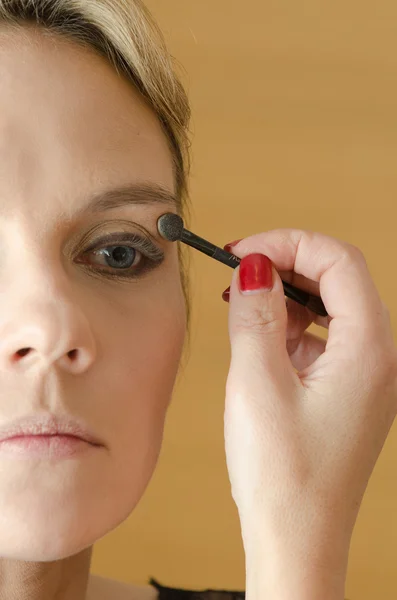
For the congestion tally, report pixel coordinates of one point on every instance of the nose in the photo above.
(47, 334)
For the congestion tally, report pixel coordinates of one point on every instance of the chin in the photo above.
(54, 522)
(51, 512)
(34, 537)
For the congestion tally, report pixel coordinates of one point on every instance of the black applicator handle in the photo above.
(314, 303)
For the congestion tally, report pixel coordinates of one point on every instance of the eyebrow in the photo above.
(132, 194)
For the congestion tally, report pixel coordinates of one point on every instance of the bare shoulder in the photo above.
(101, 588)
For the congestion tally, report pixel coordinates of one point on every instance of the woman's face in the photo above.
(70, 129)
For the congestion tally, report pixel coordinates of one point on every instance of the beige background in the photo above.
(294, 121)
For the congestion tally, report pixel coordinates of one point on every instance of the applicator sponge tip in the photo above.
(170, 227)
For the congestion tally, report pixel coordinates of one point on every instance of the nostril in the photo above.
(23, 351)
(72, 354)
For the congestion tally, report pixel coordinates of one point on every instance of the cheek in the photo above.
(141, 393)
(146, 366)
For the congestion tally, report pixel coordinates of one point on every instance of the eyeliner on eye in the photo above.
(143, 244)
(151, 256)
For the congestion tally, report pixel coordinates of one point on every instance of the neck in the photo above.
(65, 579)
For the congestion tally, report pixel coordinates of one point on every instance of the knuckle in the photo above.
(257, 320)
(386, 311)
(387, 319)
(386, 364)
(354, 253)
(390, 363)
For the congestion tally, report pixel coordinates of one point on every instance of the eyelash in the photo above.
(151, 255)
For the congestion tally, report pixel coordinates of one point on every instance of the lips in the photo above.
(42, 435)
(45, 424)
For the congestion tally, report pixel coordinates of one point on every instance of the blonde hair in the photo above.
(125, 33)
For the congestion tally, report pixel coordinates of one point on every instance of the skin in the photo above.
(71, 127)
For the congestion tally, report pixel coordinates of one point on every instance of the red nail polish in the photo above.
(226, 295)
(229, 246)
(256, 273)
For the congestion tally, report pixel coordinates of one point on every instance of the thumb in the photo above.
(258, 320)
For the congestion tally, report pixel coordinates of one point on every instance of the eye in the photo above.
(123, 255)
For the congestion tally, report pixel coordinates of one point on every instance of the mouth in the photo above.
(47, 425)
(43, 436)
(44, 446)
(46, 435)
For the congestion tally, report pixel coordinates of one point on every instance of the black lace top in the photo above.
(167, 593)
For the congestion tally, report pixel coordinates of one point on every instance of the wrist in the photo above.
(297, 569)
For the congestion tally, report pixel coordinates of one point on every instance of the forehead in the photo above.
(68, 119)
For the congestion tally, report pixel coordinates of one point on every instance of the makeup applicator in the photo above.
(171, 227)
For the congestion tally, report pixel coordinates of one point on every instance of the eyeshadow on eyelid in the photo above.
(125, 225)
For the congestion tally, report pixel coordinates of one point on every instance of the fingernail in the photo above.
(256, 273)
(229, 246)
(226, 295)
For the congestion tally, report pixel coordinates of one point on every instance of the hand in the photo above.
(305, 419)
